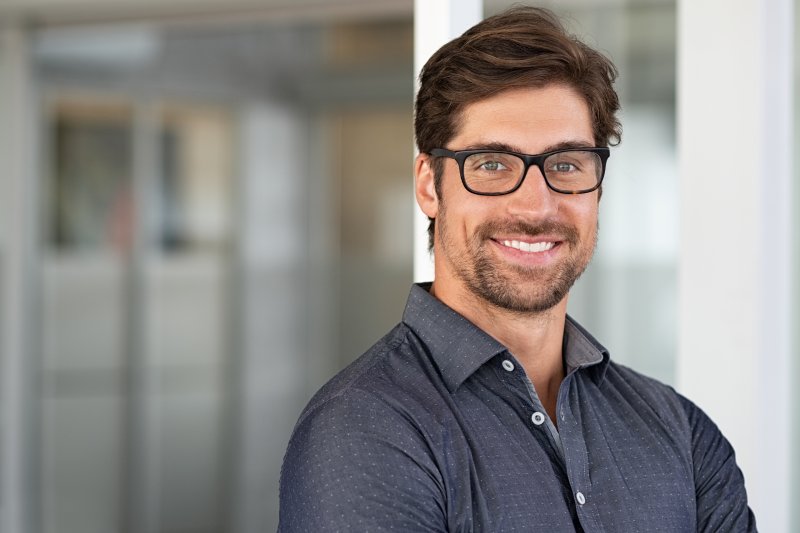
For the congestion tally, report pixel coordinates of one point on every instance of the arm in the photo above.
(719, 484)
(357, 464)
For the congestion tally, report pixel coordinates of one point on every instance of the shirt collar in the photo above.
(582, 350)
(459, 347)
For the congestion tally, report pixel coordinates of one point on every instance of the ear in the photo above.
(424, 185)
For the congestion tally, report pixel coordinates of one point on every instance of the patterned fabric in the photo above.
(438, 428)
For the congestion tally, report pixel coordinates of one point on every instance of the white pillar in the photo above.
(17, 234)
(435, 23)
(735, 139)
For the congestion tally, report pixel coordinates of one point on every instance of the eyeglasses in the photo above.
(494, 173)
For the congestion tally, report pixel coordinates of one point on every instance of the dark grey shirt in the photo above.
(438, 428)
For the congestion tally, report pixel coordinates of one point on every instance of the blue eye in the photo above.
(564, 167)
(492, 166)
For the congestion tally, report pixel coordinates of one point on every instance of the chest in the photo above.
(613, 464)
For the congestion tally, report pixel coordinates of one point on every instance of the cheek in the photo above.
(589, 216)
(476, 211)
(582, 214)
(462, 210)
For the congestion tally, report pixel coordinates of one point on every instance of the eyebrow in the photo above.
(503, 147)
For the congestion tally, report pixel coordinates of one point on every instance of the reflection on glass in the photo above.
(187, 307)
(196, 177)
(85, 321)
(91, 176)
(228, 222)
(136, 358)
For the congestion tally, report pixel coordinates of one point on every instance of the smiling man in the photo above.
(488, 408)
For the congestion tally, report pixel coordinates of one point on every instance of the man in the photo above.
(488, 408)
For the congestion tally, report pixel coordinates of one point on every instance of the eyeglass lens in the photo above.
(569, 171)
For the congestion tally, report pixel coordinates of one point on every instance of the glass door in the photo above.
(136, 299)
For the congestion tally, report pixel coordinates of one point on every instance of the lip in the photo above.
(527, 238)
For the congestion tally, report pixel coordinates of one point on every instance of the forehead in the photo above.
(529, 118)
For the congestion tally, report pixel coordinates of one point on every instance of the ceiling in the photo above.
(45, 13)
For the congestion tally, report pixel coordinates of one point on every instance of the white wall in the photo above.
(734, 138)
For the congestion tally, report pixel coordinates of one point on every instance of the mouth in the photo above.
(528, 247)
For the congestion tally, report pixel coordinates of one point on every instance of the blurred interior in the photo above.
(226, 221)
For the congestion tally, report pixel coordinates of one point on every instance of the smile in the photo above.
(532, 247)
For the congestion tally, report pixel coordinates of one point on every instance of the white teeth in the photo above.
(529, 246)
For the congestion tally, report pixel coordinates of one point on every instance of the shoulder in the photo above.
(660, 396)
(386, 397)
(385, 378)
(647, 392)
(363, 430)
(679, 417)
(358, 373)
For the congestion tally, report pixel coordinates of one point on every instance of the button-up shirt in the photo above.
(438, 428)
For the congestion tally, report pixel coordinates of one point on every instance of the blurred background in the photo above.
(217, 215)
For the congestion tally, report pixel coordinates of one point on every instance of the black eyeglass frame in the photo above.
(529, 159)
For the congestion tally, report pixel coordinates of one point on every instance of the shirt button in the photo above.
(508, 365)
(580, 497)
(538, 418)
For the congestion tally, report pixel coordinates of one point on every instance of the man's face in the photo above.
(522, 251)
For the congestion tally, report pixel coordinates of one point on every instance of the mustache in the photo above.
(546, 227)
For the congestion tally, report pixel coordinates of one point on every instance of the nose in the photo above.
(533, 198)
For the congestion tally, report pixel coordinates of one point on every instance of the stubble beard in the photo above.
(516, 288)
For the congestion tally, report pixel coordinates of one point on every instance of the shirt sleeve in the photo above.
(719, 483)
(356, 463)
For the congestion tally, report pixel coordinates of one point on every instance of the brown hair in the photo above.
(521, 47)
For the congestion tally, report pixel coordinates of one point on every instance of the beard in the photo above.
(516, 288)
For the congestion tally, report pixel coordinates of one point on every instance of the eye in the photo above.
(493, 163)
(492, 166)
(564, 166)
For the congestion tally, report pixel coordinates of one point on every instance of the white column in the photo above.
(435, 23)
(735, 139)
(17, 233)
